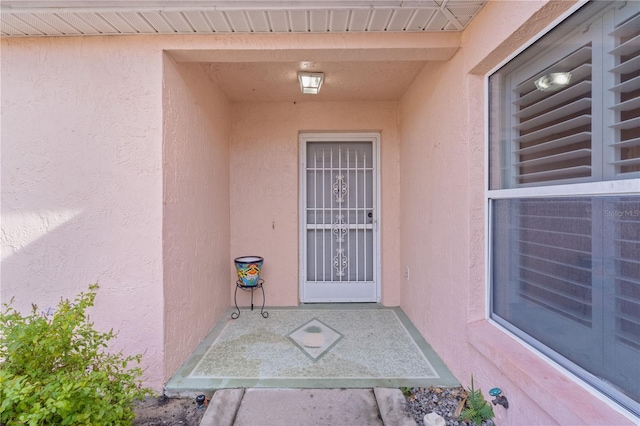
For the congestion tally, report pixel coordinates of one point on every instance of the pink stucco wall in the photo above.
(196, 137)
(264, 185)
(442, 126)
(82, 182)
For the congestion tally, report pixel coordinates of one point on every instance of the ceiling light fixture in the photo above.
(310, 82)
(552, 82)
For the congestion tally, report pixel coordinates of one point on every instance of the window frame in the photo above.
(616, 187)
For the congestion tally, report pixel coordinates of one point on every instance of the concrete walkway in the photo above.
(307, 407)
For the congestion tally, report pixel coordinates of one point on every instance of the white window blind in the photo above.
(553, 138)
(554, 256)
(626, 72)
(625, 218)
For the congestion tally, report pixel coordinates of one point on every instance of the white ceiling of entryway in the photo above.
(344, 81)
(113, 17)
(350, 74)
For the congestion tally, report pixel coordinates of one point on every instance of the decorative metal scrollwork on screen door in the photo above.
(340, 188)
(340, 228)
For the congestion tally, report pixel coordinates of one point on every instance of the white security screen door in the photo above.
(339, 218)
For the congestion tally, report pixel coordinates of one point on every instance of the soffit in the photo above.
(21, 18)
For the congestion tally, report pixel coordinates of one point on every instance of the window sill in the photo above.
(563, 399)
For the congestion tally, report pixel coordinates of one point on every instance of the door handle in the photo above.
(371, 220)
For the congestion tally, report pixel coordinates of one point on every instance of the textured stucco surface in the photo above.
(197, 125)
(82, 182)
(264, 186)
(442, 226)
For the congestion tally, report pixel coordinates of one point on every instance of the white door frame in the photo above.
(304, 139)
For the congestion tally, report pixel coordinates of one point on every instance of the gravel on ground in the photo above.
(447, 402)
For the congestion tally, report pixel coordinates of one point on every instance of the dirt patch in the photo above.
(167, 411)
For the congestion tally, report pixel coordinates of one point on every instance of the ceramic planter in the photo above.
(248, 268)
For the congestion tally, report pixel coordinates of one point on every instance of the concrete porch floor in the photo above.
(363, 346)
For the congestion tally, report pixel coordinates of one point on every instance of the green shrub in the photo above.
(477, 408)
(54, 371)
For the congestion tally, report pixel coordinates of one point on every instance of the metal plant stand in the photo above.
(239, 285)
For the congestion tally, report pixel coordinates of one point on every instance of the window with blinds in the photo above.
(566, 272)
(564, 116)
(585, 127)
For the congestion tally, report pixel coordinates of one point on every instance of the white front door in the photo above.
(339, 218)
